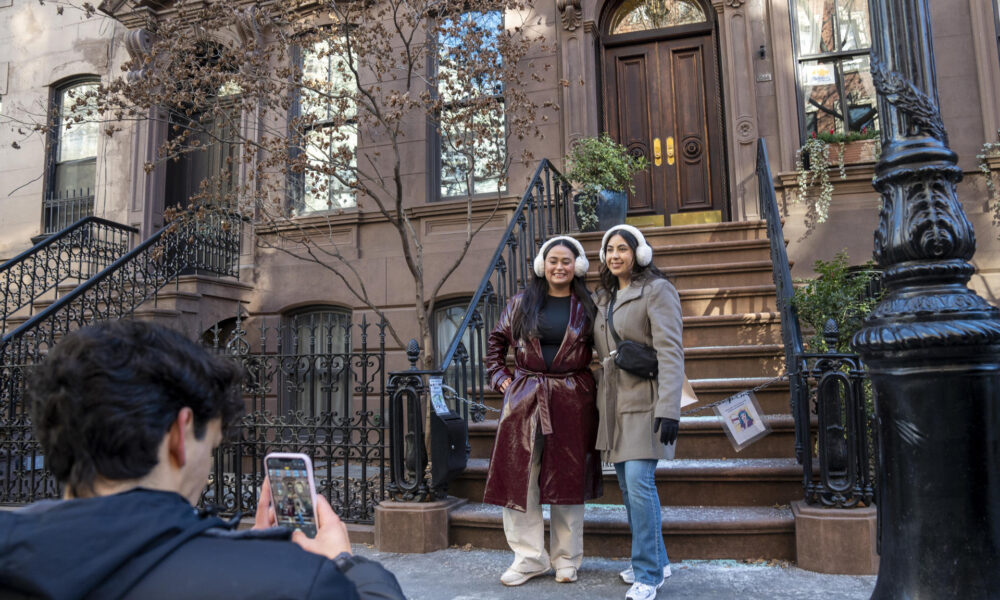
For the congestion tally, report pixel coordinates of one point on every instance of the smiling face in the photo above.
(559, 265)
(619, 257)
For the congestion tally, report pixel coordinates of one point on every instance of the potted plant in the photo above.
(812, 162)
(602, 170)
(988, 159)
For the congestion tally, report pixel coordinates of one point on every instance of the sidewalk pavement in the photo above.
(459, 574)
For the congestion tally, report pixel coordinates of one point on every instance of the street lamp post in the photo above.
(932, 345)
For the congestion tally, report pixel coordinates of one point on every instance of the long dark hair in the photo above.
(525, 322)
(609, 282)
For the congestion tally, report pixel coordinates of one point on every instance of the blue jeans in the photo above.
(637, 478)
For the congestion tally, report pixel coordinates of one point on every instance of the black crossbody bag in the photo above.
(638, 359)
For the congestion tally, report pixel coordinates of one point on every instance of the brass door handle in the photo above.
(657, 157)
(670, 150)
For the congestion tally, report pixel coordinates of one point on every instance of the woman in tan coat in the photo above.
(639, 416)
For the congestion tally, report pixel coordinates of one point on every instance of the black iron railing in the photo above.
(832, 387)
(791, 333)
(77, 252)
(65, 208)
(545, 210)
(209, 244)
(339, 421)
(845, 430)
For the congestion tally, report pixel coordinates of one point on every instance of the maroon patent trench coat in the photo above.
(560, 400)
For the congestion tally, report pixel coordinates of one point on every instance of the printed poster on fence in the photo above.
(742, 419)
(437, 395)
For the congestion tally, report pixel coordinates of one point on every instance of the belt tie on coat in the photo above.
(544, 394)
(607, 429)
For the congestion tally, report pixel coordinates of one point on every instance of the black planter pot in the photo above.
(612, 207)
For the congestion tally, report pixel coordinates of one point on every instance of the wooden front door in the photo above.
(662, 101)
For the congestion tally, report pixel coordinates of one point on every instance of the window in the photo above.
(72, 155)
(832, 39)
(316, 362)
(324, 119)
(470, 136)
(640, 15)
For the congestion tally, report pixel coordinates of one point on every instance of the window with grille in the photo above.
(316, 362)
(832, 39)
(72, 154)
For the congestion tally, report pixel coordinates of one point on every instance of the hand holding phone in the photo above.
(292, 491)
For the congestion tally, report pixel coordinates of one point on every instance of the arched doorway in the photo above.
(661, 100)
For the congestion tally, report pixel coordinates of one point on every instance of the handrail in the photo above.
(544, 211)
(78, 251)
(791, 332)
(208, 244)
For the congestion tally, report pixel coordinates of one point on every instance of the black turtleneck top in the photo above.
(553, 320)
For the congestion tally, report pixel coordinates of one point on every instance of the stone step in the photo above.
(728, 301)
(690, 532)
(725, 275)
(773, 399)
(688, 234)
(760, 360)
(720, 482)
(701, 437)
(726, 330)
(703, 253)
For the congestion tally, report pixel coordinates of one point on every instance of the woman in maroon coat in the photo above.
(544, 451)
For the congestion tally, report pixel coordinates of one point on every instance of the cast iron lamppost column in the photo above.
(932, 346)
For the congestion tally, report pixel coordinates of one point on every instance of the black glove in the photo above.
(667, 428)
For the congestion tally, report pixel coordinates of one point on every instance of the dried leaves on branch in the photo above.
(313, 109)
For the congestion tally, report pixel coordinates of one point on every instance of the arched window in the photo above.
(316, 361)
(641, 15)
(72, 154)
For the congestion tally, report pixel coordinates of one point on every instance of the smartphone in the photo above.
(293, 490)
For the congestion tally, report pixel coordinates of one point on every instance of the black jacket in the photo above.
(151, 545)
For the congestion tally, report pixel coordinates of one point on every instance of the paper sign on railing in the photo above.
(742, 420)
(437, 396)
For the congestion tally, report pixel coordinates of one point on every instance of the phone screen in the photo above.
(290, 494)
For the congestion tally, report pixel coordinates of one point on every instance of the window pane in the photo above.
(78, 125)
(862, 111)
(854, 31)
(332, 162)
(822, 99)
(457, 77)
(447, 321)
(814, 19)
(327, 84)
(640, 15)
(472, 140)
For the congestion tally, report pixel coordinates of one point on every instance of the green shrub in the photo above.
(839, 293)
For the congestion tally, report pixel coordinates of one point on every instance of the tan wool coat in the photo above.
(647, 311)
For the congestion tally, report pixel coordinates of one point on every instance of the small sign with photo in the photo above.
(437, 396)
(742, 419)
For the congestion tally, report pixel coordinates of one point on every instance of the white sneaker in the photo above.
(511, 577)
(640, 591)
(628, 575)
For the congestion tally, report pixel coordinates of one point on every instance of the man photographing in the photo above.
(128, 415)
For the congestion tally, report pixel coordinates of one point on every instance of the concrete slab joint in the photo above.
(413, 527)
(837, 541)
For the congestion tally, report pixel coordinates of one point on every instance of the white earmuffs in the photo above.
(643, 252)
(580, 268)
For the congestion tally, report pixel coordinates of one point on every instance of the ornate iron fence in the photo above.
(838, 462)
(77, 252)
(341, 426)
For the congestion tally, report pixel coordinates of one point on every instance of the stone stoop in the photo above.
(716, 502)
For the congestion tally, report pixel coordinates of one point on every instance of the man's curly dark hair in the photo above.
(104, 398)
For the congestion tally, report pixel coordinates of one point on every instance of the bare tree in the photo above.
(307, 107)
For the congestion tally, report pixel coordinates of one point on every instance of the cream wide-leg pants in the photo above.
(525, 531)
